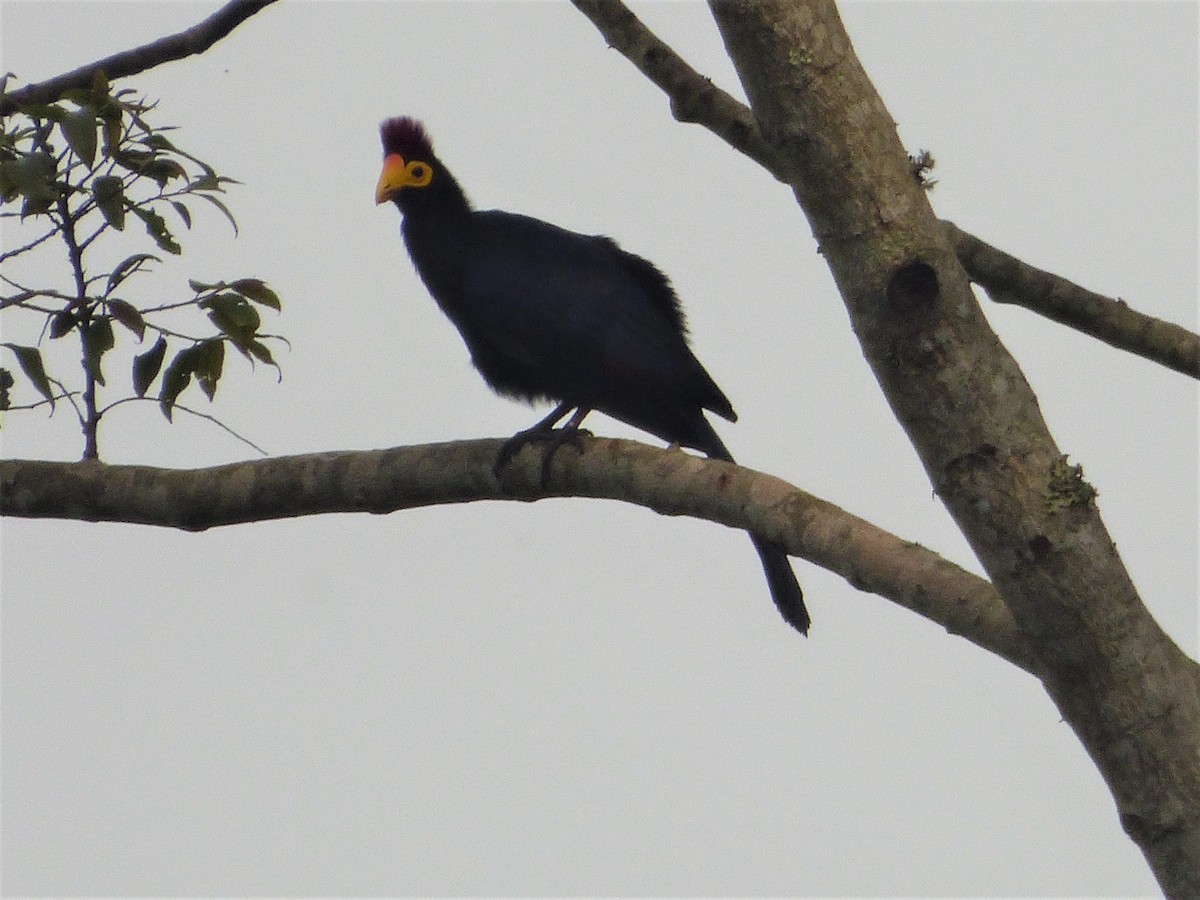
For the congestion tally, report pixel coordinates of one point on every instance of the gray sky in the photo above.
(577, 696)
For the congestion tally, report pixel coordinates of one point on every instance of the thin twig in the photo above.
(169, 306)
(45, 401)
(195, 412)
(29, 293)
(245, 440)
(70, 396)
(185, 43)
(19, 250)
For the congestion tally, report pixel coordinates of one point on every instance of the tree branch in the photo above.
(185, 43)
(1128, 691)
(696, 99)
(670, 482)
(1008, 280)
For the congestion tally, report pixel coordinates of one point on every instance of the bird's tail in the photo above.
(781, 580)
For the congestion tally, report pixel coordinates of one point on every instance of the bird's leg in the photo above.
(514, 444)
(568, 434)
(543, 431)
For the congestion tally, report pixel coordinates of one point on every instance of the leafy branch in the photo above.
(81, 169)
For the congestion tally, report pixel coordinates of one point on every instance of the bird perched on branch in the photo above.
(549, 314)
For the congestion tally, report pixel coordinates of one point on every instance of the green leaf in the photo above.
(6, 382)
(79, 128)
(223, 208)
(131, 159)
(51, 111)
(8, 184)
(156, 227)
(32, 175)
(146, 366)
(32, 206)
(110, 199)
(112, 130)
(163, 170)
(127, 315)
(262, 353)
(200, 286)
(127, 267)
(98, 340)
(177, 377)
(183, 213)
(233, 316)
(30, 361)
(206, 182)
(151, 165)
(255, 289)
(157, 141)
(210, 361)
(99, 88)
(61, 323)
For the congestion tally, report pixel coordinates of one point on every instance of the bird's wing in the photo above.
(568, 316)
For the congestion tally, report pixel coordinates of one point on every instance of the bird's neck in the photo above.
(437, 231)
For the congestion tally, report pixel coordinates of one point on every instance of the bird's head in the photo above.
(408, 160)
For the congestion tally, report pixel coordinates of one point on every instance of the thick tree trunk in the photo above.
(1125, 688)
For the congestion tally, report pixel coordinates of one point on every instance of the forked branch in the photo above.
(694, 98)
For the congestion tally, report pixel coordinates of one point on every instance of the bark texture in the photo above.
(1009, 280)
(382, 481)
(1126, 689)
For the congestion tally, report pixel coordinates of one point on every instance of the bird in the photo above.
(554, 315)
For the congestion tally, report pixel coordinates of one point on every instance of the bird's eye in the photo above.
(419, 174)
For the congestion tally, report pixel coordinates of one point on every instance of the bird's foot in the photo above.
(553, 438)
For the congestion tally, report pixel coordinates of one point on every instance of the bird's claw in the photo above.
(554, 438)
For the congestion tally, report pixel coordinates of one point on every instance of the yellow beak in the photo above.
(394, 178)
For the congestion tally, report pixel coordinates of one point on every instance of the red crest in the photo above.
(406, 136)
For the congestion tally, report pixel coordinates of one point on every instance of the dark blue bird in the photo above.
(549, 314)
